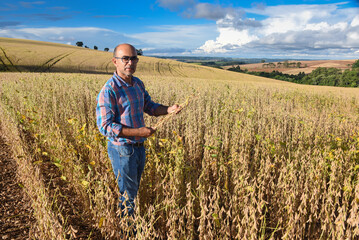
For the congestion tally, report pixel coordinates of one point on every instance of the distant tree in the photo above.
(106, 49)
(79, 44)
(235, 69)
(139, 52)
(263, 61)
(286, 64)
(350, 78)
(293, 64)
(86, 47)
(356, 64)
(325, 76)
(319, 76)
(95, 47)
(299, 64)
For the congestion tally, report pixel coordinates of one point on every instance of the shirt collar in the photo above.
(123, 82)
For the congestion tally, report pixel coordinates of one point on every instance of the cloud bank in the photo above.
(288, 31)
(316, 30)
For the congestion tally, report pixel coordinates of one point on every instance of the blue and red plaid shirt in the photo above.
(121, 104)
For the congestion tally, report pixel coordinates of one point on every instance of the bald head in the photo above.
(125, 60)
(125, 47)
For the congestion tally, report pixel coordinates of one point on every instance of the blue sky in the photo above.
(322, 29)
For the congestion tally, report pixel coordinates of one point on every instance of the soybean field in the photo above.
(247, 157)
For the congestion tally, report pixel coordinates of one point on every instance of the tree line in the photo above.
(285, 64)
(81, 44)
(320, 76)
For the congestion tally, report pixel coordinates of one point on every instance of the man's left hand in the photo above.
(174, 109)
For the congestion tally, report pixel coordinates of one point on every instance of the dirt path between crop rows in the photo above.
(15, 211)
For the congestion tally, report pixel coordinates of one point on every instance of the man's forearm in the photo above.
(136, 132)
(161, 110)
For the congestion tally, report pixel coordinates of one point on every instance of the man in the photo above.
(120, 107)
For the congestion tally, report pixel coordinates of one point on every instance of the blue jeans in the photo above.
(128, 163)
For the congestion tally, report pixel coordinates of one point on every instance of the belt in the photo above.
(139, 144)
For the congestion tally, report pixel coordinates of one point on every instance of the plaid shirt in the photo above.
(120, 104)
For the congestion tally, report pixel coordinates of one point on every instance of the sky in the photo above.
(291, 29)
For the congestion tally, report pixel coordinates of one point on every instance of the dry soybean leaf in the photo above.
(101, 222)
(59, 165)
(85, 183)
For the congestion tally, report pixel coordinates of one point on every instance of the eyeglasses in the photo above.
(126, 59)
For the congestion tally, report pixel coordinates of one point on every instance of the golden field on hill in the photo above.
(247, 158)
(306, 66)
(17, 55)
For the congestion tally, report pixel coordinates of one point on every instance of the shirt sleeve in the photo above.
(105, 114)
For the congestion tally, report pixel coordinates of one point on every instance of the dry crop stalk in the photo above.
(170, 115)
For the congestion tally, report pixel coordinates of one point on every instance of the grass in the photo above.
(247, 158)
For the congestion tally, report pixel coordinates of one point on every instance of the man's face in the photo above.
(125, 61)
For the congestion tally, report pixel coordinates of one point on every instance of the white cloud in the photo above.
(353, 37)
(228, 40)
(176, 36)
(317, 26)
(209, 11)
(236, 21)
(355, 22)
(300, 29)
(175, 5)
(303, 29)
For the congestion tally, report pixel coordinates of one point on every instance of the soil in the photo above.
(16, 219)
(15, 211)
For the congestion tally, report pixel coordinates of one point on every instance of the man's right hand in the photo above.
(146, 131)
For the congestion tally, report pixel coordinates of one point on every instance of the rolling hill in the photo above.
(18, 55)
